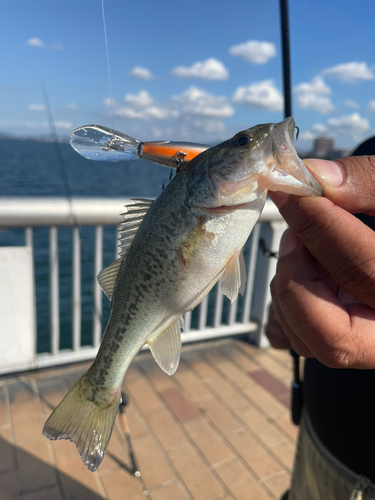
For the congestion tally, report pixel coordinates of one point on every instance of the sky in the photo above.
(193, 71)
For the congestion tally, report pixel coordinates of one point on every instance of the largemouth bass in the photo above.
(174, 250)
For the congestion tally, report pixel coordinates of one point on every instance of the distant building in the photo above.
(323, 147)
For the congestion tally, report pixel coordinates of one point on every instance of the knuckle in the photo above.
(343, 353)
(356, 277)
(314, 226)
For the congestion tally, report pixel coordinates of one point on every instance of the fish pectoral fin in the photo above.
(107, 277)
(166, 347)
(233, 278)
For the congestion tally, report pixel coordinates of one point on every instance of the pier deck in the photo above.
(219, 429)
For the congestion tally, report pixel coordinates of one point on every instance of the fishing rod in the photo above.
(297, 384)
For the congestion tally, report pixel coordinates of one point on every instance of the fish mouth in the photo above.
(285, 170)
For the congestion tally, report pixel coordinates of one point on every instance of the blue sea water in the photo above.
(31, 168)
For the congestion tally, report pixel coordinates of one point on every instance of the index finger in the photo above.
(339, 241)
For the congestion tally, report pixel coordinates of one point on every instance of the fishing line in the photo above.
(56, 144)
(66, 184)
(135, 470)
(108, 65)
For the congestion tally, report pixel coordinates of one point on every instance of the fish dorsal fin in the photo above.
(107, 277)
(133, 218)
(166, 347)
(233, 279)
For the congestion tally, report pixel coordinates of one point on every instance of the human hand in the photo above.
(324, 288)
(275, 333)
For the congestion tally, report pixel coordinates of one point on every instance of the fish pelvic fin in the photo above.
(166, 347)
(85, 417)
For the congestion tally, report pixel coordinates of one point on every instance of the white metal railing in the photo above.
(54, 212)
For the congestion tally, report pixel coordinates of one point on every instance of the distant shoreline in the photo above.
(6, 137)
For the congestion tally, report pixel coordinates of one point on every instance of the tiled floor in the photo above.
(219, 429)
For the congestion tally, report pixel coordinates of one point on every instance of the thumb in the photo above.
(348, 182)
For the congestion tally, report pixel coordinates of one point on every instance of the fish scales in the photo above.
(174, 251)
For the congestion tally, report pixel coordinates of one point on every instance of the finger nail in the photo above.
(288, 243)
(328, 172)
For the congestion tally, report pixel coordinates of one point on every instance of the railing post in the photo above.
(98, 265)
(248, 297)
(266, 267)
(54, 290)
(76, 299)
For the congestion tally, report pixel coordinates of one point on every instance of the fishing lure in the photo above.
(99, 143)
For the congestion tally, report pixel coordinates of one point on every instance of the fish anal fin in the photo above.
(233, 278)
(166, 348)
(107, 277)
(86, 419)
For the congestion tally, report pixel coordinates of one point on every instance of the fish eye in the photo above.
(242, 139)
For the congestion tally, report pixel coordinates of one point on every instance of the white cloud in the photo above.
(319, 128)
(36, 107)
(254, 52)
(316, 130)
(141, 99)
(211, 69)
(316, 86)
(351, 72)
(313, 95)
(159, 113)
(351, 104)
(71, 105)
(63, 124)
(142, 73)
(261, 96)
(352, 126)
(371, 105)
(35, 42)
(193, 115)
(198, 102)
(307, 136)
(211, 126)
(142, 106)
(107, 101)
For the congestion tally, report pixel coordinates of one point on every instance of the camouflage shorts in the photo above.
(318, 475)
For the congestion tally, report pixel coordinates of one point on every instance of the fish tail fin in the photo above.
(85, 416)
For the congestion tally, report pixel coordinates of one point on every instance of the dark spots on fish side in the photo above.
(133, 308)
(116, 347)
(118, 336)
(147, 276)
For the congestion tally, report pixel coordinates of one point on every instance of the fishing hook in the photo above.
(297, 134)
(180, 155)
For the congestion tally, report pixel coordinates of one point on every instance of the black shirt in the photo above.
(341, 406)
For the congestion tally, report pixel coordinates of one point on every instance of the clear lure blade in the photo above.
(95, 142)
